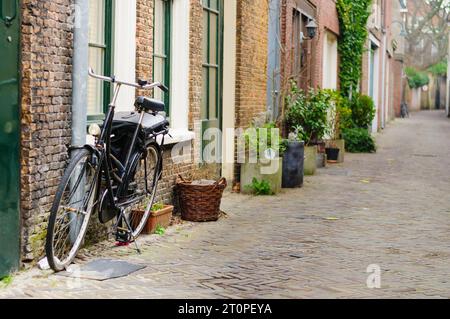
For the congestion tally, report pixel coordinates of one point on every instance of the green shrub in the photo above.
(359, 140)
(363, 111)
(260, 188)
(308, 112)
(416, 79)
(439, 69)
(339, 115)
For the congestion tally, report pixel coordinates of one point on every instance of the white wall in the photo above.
(124, 50)
(229, 87)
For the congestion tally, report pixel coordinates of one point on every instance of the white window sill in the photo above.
(178, 136)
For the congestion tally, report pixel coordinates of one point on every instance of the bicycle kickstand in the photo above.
(130, 230)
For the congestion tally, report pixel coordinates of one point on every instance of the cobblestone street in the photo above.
(391, 209)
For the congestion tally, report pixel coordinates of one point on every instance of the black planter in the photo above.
(332, 154)
(293, 164)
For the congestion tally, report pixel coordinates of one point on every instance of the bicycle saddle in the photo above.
(149, 105)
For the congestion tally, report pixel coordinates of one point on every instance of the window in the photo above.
(210, 109)
(300, 50)
(161, 48)
(100, 16)
(296, 42)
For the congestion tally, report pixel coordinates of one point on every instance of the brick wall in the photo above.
(251, 64)
(46, 115)
(195, 72)
(144, 40)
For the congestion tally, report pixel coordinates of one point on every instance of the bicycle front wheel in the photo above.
(71, 210)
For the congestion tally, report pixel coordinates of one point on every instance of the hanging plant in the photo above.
(353, 17)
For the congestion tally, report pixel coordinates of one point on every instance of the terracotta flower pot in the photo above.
(160, 218)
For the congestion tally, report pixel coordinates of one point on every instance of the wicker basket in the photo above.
(200, 203)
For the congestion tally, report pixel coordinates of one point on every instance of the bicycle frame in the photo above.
(103, 146)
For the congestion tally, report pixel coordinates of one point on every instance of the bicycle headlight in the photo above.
(94, 130)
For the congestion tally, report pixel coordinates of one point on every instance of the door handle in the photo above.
(8, 18)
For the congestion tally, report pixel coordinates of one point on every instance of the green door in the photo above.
(9, 136)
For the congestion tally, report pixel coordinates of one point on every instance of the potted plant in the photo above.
(293, 159)
(339, 118)
(310, 113)
(160, 217)
(265, 162)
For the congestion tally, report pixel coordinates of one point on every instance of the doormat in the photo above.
(101, 270)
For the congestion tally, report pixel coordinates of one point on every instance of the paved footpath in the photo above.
(390, 209)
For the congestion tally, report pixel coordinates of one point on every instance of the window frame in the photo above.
(167, 56)
(206, 5)
(107, 63)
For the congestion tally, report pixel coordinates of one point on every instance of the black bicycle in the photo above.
(116, 177)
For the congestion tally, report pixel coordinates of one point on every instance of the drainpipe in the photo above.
(80, 65)
(80, 72)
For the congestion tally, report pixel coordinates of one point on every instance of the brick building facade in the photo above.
(213, 55)
(47, 32)
(381, 78)
(312, 62)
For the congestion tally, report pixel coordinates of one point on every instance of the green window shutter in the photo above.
(162, 48)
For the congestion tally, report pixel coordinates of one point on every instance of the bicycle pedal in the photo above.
(123, 236)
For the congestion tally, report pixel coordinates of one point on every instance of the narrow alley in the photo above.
(386, 210)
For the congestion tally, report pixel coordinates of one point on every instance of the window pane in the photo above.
(205, 36)
(213, 39)
(212, 93)
(214, 4)
(158, 75)
(204, 108)
(160, 28)
(95, 87)
(97, 21)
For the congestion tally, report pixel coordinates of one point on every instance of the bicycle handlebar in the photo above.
(141, 85)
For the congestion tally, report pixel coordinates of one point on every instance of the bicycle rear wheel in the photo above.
(71, 210)
(146, 183)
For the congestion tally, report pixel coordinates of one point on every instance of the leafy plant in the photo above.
(308, 114)
(6, 281)
(353, 17)
(339, 115)
(260, 188)
(359, 140)
(158, 206)
(416, 78)
(259, 144)
(439, 69)
(363, 111)
(160, 230)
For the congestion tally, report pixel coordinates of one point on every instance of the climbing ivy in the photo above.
(353, 17)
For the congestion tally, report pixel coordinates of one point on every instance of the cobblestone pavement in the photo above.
(391, 209)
